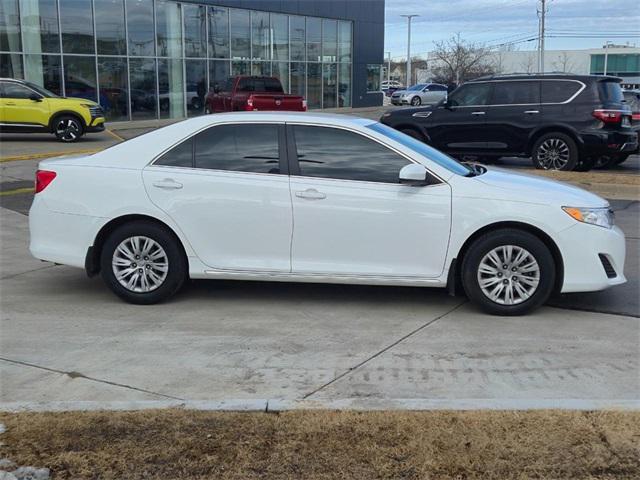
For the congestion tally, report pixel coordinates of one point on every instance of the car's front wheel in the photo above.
(508, 272)
(555, 151)
(67, 128)
(142, 263)
(416, 101)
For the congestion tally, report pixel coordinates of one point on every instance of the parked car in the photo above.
(252, 93)
(422, 93)
(563, 122)
(386, 84)
(317, 198)
(28, 108)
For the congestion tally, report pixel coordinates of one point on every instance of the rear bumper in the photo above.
(603, 142)
(583, 247)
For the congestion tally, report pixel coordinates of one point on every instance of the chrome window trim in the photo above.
(580, 90)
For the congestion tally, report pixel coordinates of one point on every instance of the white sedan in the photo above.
(317, 198)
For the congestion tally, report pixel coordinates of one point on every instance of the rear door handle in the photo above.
(477, 113)
(311, 194)
(531, 112)
(168, 184)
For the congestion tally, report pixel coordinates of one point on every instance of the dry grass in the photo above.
(178, 444)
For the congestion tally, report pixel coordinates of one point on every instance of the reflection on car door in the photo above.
(227, 189)
(513, 114)
(458, 126)
(351, 215)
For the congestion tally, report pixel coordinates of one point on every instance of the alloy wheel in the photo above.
(508, 275)
(68, 129)
(140, 264)
(553, 154)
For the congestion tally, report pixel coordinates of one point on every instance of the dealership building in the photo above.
(148, 59)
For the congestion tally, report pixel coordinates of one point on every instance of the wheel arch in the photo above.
(66, 112)
(92, 260)
(454, 281)
(553, 129)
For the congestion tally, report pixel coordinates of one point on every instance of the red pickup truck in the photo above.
(252, 93)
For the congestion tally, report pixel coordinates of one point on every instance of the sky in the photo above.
(495, 22)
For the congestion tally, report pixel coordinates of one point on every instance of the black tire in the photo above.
(67, 128)
(504, 237)
(605, 161)
(561, 140)
(586, 163)
(413, 133)
(416, 101)
(177, 268)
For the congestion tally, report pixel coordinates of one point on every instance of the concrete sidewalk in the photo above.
(67, 342)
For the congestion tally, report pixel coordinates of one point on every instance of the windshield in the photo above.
(420, 86)
(42, 91)
(422, 148)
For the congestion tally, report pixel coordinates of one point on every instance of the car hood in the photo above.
(510, 186)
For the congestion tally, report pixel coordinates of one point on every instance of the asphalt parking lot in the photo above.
(66, 339)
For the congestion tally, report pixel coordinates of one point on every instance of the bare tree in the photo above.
(457, 60)
(563, 63)
(528, 64)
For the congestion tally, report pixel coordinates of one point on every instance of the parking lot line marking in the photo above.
(115, 135)
(35, 156)
(17, 191)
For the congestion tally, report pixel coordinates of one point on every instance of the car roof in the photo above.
(546, 76)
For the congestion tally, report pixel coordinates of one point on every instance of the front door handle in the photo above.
(168, 184)
(311, 194)
(531, 112)
(477, 113)
(10, 104)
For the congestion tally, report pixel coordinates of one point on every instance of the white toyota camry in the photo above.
(317, 198)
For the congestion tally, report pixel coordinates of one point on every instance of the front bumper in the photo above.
(582, 247)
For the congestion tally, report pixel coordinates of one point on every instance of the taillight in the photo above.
(635, 116)
(304, 105)
(609, 116)
(249, 105)
(43, 179)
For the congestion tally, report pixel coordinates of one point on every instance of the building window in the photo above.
(329, 41)
(240, 25)
(297, 32)
(76, 22)
(140, 26)
(280, 35)
(44, 70)
(80, 77)
(344, 42)
(110, 28)
(112, 81)
(195, 31)
(314, 40)
(11, 65)
(142, 85)
(374, 73)
(169, 29)
(261, 36)
(218, 32)
(10, 26)
(39, 22)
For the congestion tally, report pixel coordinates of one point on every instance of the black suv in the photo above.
(564, 122)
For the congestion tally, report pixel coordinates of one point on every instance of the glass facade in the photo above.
(147, 59)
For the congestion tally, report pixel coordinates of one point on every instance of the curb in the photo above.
(358, 404)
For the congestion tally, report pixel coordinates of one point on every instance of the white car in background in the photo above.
(317, 198)
(420, 94)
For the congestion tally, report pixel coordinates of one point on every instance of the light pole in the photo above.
(409, 17)
(388, 67)
(606, 55)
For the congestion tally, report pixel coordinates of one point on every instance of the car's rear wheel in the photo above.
(67, 128)
(555, 151)
(416, 101)
(508, 272)
(143, 263)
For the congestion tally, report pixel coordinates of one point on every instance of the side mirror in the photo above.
(35, 98)
(413, 174)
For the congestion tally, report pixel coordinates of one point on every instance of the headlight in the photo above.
(602, 217)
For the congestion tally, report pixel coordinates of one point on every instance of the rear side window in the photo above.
(239, 148)
(610, 92)
(516, 93)
(471, 94)
(558, 91)
(179, 156)
(334, 153)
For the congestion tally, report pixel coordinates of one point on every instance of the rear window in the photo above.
(559, 91)
(610, 92)
(260, 85)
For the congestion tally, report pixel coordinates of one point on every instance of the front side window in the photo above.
(471, 94)
(13, 90)
(335, 153)
(516, 93)
(239, 148)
